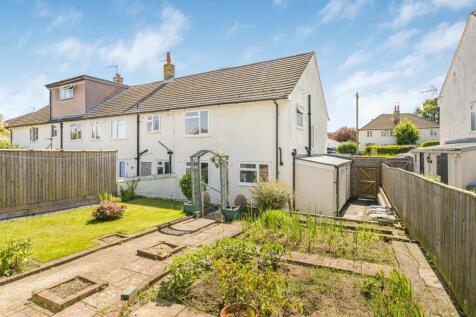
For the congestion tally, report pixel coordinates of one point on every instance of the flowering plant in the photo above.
(108, 210)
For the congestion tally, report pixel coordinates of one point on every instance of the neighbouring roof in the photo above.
(326, 160)
(37, 117)
(456, 147)
(268, 80)
(82, 77)
(385, 122)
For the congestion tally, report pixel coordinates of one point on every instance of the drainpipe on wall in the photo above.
(61, 135)
(277, 140)
(309, 150)
(293, 153)
(138, 146)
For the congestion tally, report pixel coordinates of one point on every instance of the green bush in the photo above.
(105, 196)
(429, 143)
(14, 255)
(8, 145)
(347, 148)
(388, 149)
(406, 132)
(186, 185)
(271, 195)
(130, 192)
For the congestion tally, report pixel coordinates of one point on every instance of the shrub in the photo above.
(406, 132)
(388, 149)
(109, 210)
(240, 200)
(186, 185)
(130, 192)
(347, 148)
(14, 255)
(429, 143)
(8, 145)
(271, 195)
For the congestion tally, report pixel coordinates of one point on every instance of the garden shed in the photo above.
(322, 184)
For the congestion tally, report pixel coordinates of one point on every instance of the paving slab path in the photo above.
(118, 265)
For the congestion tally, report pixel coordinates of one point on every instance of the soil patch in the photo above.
(71, 287)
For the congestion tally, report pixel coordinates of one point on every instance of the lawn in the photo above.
(65, 233)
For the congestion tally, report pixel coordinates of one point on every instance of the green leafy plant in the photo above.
(130, 192)
(429, 143)
(271, 195)
(390, 296)
(348, 147)
(388, 149)
(186, 185)
(105, 196)
(270, 255)
(7, 145)
(14, 255)
(406, 132)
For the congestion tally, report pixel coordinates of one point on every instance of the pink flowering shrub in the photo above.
(108, 210)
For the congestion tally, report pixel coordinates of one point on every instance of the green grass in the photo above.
(60, 234)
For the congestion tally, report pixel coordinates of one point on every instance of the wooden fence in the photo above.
(366, 174)
(443, 220)
(34, 181)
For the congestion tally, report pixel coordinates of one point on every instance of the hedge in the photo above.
(429, 143)
(389, 149)
(347, 148)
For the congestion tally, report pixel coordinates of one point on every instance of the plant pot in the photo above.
(188, 209)
(231, 213)
(239, 310)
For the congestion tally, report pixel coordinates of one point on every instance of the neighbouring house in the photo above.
(379, 131)
(454, 160)
(257, 114)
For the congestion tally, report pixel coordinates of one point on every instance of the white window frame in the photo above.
(385, 133)
(369, 133)
(163, 163)
(150, 123)
(115, 131)
(66, 92)
(299, 115)
(472, 111)
(79, 133)
(34, 134)
(95, 130)
(54, 128)
(199, 116)
(125, 168)
(249, 169)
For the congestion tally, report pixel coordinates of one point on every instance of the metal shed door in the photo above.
(442, 167)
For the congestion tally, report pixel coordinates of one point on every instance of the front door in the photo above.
(442, 167)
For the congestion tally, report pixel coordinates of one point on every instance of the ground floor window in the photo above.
(253, 173)
(122, 168)
(75, 131)
(163, 167)
(145, 168)
(203, 170)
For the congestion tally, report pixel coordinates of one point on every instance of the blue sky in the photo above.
(389, 51)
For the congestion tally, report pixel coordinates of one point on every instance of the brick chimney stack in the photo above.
(118, 79)
(169, 68)
(396, 114)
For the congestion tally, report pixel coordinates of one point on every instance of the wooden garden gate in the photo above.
(367, 182)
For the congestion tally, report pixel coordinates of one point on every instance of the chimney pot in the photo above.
(118, 79)
(169, 68)
(396, 115)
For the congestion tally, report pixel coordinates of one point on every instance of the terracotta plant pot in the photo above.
(239, 310)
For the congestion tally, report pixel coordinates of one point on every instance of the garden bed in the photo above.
(160, 251)
(319, 236)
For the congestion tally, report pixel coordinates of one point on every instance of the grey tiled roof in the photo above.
(274, 79)
(385, 122)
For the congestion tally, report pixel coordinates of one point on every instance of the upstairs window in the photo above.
(95, 130)
(54, 131)
(196, 122)
(253, 173)
(473, 116)
(75, 131)
(118, 129)
(299, 118)
(385, 133)
(369, 133)
(153, 124)
(433, 132)
(66, 92)
(33, 134)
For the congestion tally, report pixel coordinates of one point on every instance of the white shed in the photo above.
(322, 184)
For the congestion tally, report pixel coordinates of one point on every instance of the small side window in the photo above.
(299, 118)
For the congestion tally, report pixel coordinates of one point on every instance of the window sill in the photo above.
(64, 99)
(247, 184)
(76, 140)
(299, 128)
(117, 139)
(197, 135)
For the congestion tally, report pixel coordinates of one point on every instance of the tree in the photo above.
(406, 132)
(429, 110)
(344, 134)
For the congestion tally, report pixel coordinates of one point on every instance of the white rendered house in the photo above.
(257, 114)
(454, 160)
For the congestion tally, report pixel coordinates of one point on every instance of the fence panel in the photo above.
(443, 219)
(33, 181)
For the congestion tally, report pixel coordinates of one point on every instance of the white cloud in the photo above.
(303, 31)
(14, 102)
(237, 27)
(341, 9)
(250, 53)
(280, 3)
(356, 58)
(454, 4)
(445, 36)
(69, 48)
(399, 39)
(69, 17)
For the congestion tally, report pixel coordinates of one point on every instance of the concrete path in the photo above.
(356, 209)
(118, 265)
(425, 283)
